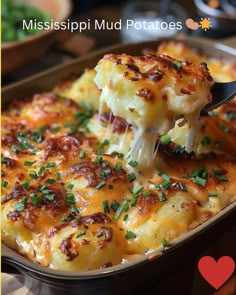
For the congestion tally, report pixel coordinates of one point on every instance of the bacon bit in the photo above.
(145, 93)
(14, 215)
(191, 87)
(185, 91)
(209, 97)
(164, 97)
(66, 247)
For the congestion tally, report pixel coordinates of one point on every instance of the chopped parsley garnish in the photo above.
(36, 199)
(165, 139)
(182, 186)
(50, 165)
(126, 216)
(120, 210)
(82, 155)
(131, 177)
(223, 127)
(100, 185)
(130, 235)
(177, 64)
(105, 164)
(74, 209)
(161, 196)
(218, 172)
(26, 184)
(100, 150)
(73, 128)
(41, 170)
(37, 136)
(58, 176)
(138, 190)
(63, 219)
(50, 181)
(21, 205)
(14, 149)
(230, 116)
(114, 205)
(55, 129)
(222, 178)
(164, 176)
(50, 197)
(4, 183)
(29, 163)
(83, 116)
(212, 194)
(166, 184)
(70, 198)
(118, 166)
(81, 233)
(98, 160)
(107, 171)
(33, 175)
(206, 140)
(70, 186)
(147, 193)
(105, 206)
(133, 163)
(120, 155)
(200, 181)
(164, 242)
(100, 235)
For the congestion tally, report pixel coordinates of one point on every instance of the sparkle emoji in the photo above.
(205, 24)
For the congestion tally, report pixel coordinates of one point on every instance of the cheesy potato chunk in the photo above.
(150, 92)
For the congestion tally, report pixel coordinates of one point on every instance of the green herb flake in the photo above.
(114, 205)
(33, 175)
(182, 186)
(36, 199)
(206, 140)
(41, 170)
(164, 243)
(110, 186)
(130, 235)
(4, 183)
(82, 155)
(200, 181)
(105, 206)
(100, 185)
(50, 181)
(70, 198)
(166, 184)
(147, 193)
(70, 186)
(119, 210)
(212, 194)
(98, 160)
(133, 163)
(26, 184)
(58, 176)
(80, 234)
(21, 205)
(126, 216)
(161, 196)
(50, 165)
(222, 178)
(177, 64)
(165, 139)
(120, 155)
(138, 190)
(63, 219)
(37, 136)
(131, 177)
(28, 163)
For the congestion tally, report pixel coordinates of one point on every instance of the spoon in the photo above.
(221, 94)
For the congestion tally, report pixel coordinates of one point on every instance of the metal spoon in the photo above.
(221, 93)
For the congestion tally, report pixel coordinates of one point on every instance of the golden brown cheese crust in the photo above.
(61, 191)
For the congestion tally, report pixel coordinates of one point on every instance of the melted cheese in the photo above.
(150, 93)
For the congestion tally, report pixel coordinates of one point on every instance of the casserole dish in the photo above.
(144, 270)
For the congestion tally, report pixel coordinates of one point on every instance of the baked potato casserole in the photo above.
(101, 170)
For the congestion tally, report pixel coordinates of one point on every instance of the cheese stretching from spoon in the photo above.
(151, 92)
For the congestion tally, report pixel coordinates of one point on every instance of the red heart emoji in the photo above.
(216, 273)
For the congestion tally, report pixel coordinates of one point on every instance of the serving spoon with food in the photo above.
(221, 94)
